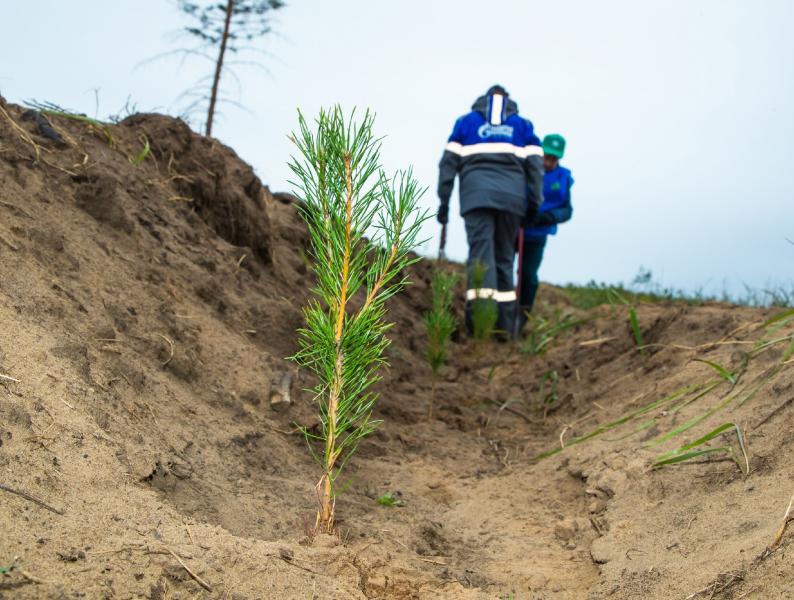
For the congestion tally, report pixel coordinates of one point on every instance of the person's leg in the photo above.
(480, 267)
(507, 225)
(533, 256)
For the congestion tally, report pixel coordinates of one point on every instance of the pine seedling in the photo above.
(440, 323)
(347, 196)
(484, 311)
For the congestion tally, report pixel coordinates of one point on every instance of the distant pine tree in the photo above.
(220, 28)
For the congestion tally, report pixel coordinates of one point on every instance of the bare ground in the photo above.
(146, 312)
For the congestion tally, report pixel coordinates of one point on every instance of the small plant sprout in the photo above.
(440, 323)
(138, 159)
(347, 196)
(391, 500)
(615, 297)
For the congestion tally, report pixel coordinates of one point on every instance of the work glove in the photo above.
(544, 218)
(443, 213)
(529, 217)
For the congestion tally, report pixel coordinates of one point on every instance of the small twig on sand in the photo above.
(562, 436)
(786, 518)
(19, 209)
(8, 378)
(27, 496)
(723, 582)
(597, 341)
(198, 579)
(189, 533)
(170, 349)
(32, 578)
(515, 411)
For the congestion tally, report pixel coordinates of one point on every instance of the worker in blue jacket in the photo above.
(497, 157)
(556, 209)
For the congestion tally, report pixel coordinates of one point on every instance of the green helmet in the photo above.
(554, 144)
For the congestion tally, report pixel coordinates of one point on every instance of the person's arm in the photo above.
(533, 165)
(447, 169)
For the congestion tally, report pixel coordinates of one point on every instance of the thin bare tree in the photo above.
(219, 29)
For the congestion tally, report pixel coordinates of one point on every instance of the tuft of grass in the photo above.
(616, 297)
(138, 159)
(635, 329)
(643, 289)
(689, 451)
(679, 393)
(50, 109)
(542, 331)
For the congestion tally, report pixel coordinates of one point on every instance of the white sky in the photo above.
(679, 114)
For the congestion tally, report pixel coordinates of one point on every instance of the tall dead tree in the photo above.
(221, 28)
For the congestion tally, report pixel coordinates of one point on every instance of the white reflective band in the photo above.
(454, 147)
(497, 102)
(491, 294)
(500, 148)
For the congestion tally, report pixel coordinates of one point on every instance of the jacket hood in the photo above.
(483, 105)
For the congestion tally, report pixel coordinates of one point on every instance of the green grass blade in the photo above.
(781, 316)
(141, 156)
(688, 456)
(624, 419)
(642, 427)
(635, 328)
(686, 451)
(723, 372)
(691, 423)
(698, 396)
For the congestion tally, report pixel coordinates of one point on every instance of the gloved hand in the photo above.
(443, 213)
(544, 218)
(529, 218)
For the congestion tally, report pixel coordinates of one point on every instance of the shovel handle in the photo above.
(443, 242)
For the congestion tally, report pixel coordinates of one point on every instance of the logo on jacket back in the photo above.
(487, 130)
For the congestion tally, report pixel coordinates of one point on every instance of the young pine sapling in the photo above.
(440, 323)
(347, 196)
(484, 311)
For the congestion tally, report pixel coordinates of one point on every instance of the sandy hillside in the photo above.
(146, 311)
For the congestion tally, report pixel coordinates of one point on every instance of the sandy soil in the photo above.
(146, 312)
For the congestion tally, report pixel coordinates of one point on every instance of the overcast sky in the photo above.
(679, 114)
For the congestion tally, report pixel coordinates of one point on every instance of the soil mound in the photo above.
(150, 288)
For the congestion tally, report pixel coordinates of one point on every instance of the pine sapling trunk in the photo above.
(219, 66)
(326, 516)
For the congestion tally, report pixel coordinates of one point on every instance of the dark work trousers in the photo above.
(533, 256)
(492, 236)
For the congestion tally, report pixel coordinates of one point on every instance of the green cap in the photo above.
(554, 144)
